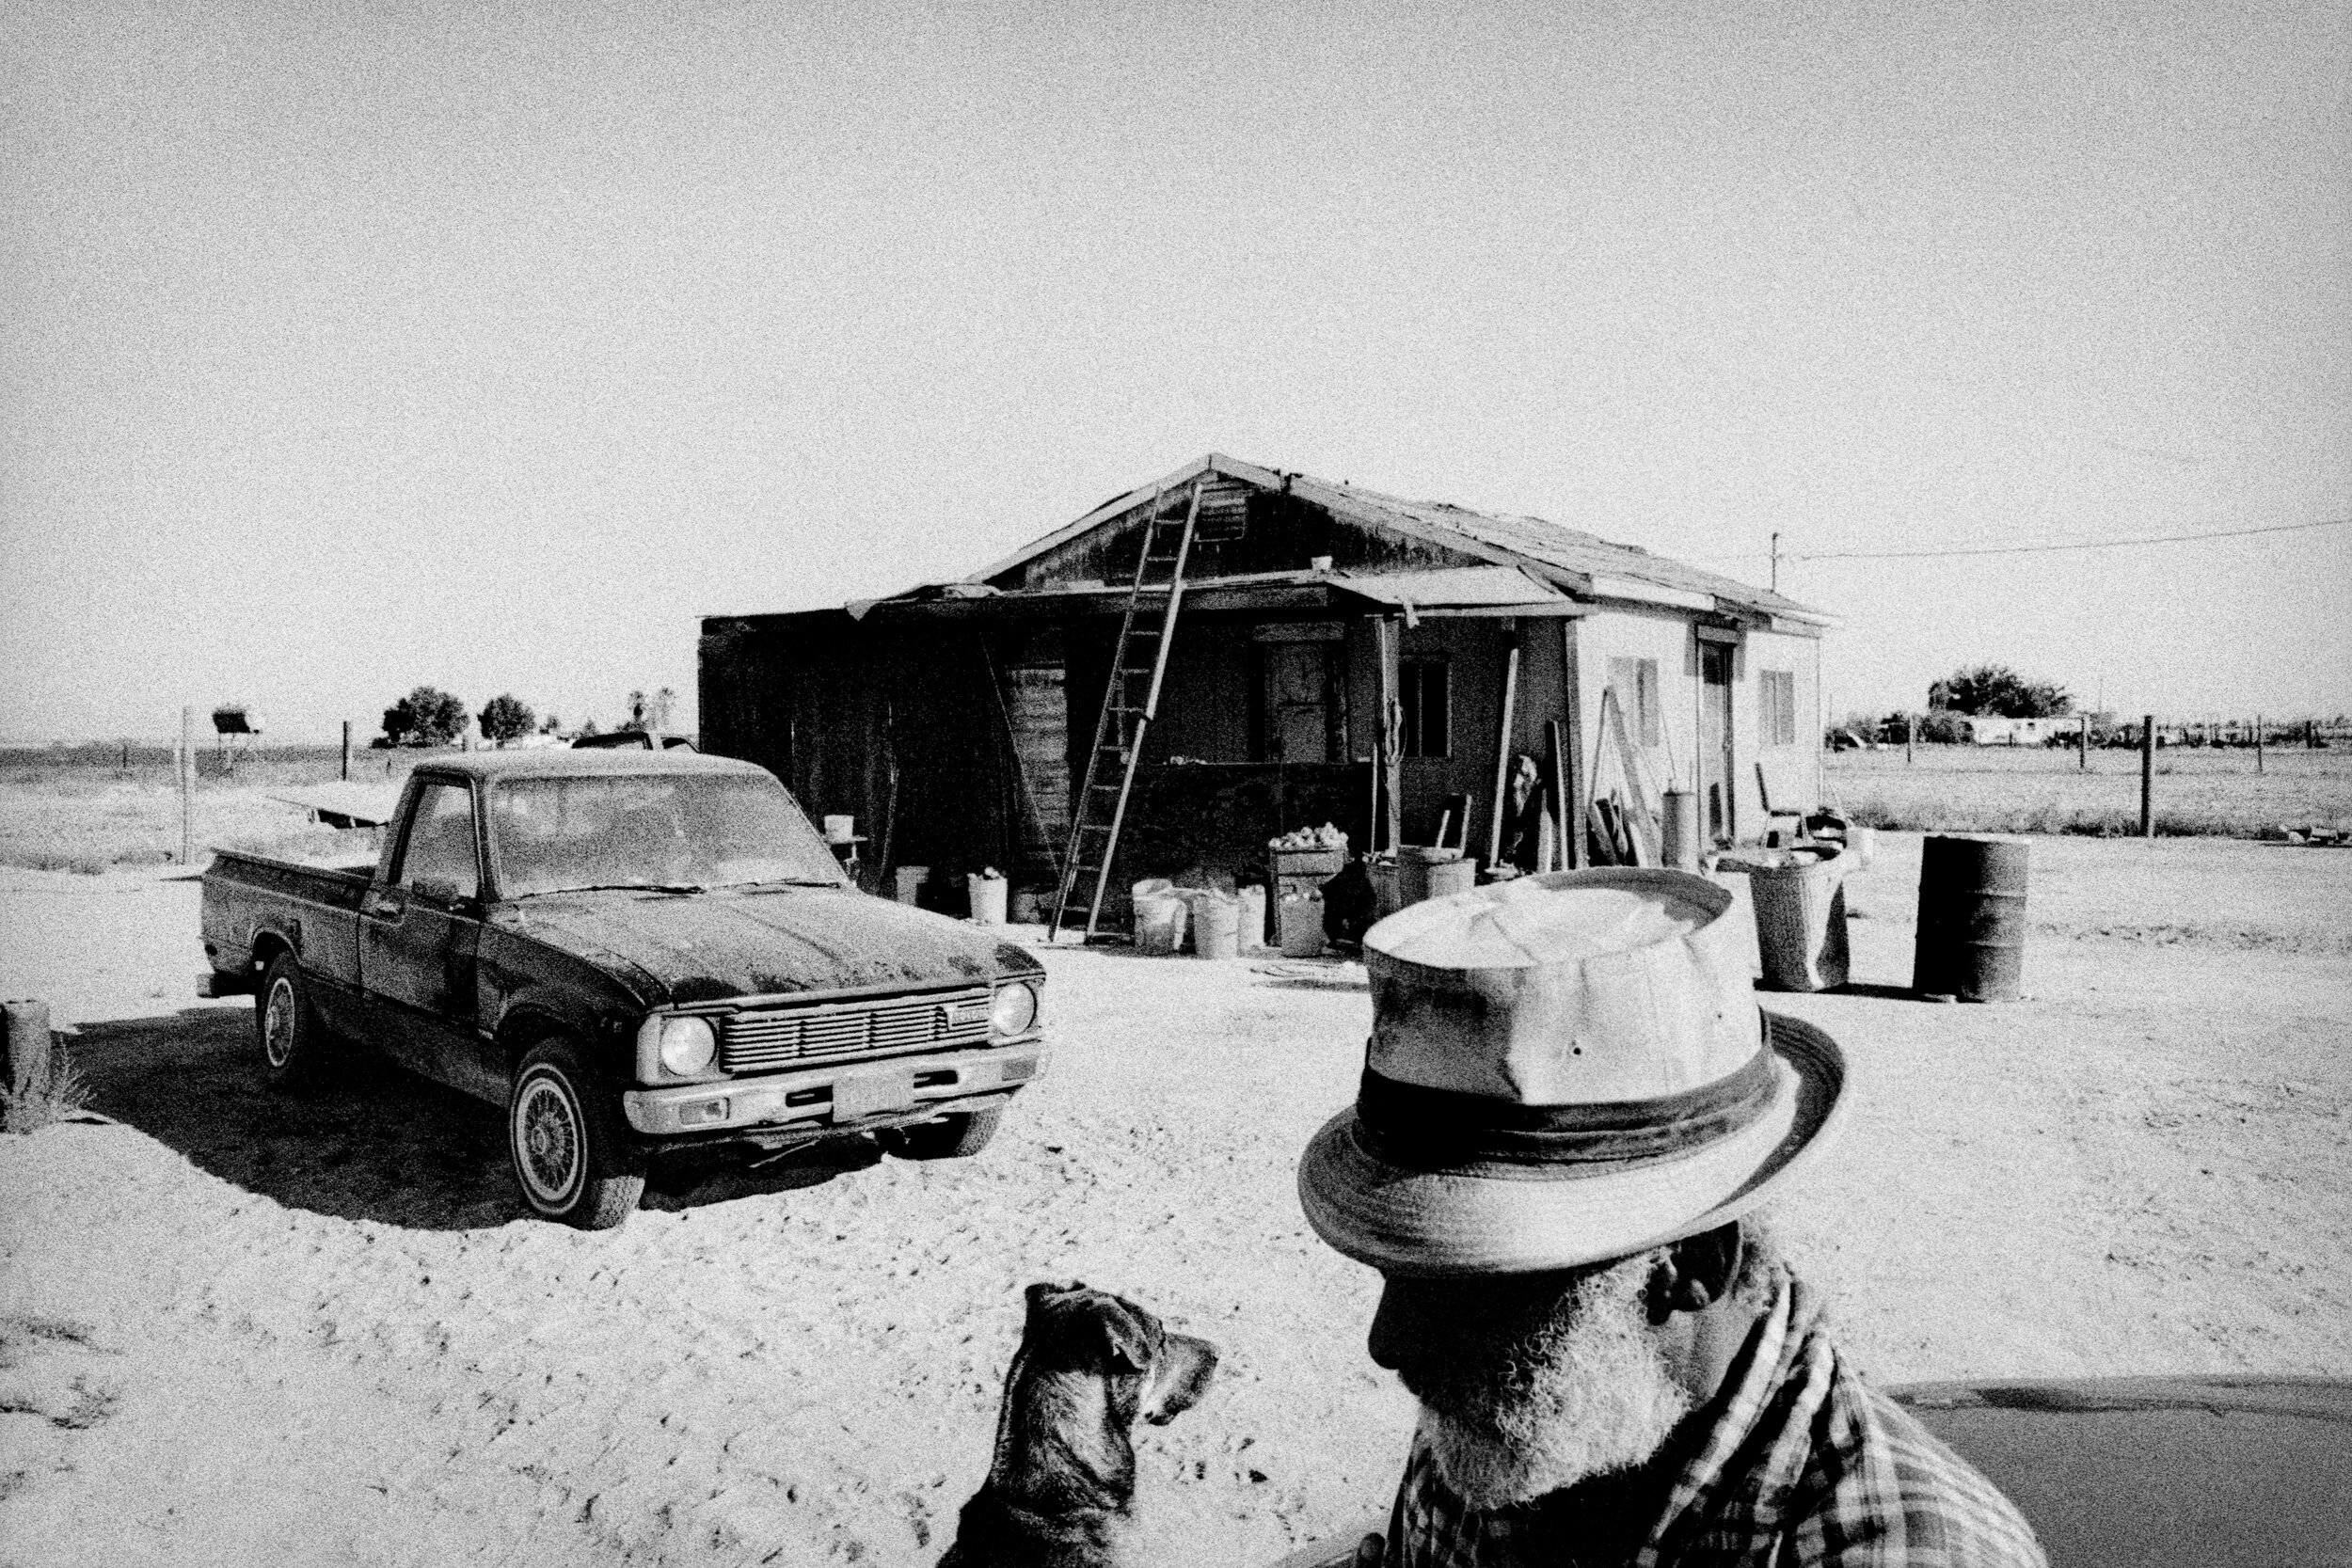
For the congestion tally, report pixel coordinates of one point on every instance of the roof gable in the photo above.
(1394, 534)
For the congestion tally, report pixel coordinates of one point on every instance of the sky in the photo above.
(348, 347)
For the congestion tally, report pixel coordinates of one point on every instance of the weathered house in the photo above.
(955, 722)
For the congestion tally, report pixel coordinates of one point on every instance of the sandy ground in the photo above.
(240, 1328)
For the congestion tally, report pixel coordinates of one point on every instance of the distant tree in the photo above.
(505, 718)
(426, 717)
(1997, 690)
(663, 700)
(590, 728)
(550, 724)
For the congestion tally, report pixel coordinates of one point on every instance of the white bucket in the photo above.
(1302, 928)
(1252, 917)
(910, 879)
(1217, 926)
(988, 899)
(1863, 845)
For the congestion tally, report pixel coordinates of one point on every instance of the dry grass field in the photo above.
(81, 810)
(2032, 789)
(78, 809)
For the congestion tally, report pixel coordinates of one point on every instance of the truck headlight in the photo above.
(687, 1046)
(1012, 1010)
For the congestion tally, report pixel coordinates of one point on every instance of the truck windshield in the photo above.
(653, 831)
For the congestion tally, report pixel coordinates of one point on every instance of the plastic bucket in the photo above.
(908, 880)
(1972, 918)
(1217, 926)
(1252, 917)
(1302, 928)
(988, 898)
(1861, 843)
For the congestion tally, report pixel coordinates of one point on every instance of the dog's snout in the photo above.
(1179, 1378)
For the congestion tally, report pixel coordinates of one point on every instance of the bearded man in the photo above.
(1570, 1110)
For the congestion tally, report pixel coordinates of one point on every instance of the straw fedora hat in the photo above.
(1564, 1069)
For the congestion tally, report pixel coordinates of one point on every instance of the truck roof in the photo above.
(566, 763)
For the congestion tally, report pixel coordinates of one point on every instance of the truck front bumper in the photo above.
(842, 1093)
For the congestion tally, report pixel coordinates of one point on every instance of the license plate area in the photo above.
(871, 1092)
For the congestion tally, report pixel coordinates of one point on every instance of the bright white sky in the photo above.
(346, 347)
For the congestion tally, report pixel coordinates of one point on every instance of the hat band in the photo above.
(1431, 1129)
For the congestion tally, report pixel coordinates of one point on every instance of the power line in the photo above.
(2072, 545)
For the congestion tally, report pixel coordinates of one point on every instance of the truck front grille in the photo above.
(758, 1042)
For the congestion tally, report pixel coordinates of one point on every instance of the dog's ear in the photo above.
(1179, 1380)
(1127, 1337)
(1045, 1291)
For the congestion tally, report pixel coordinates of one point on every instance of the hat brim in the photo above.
(1404, 1221)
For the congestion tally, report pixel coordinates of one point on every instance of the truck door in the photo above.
(418, 930)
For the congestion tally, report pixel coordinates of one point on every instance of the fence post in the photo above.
(2147, 777)
(1911, 728)
(27, 1048)
(2084, 766)
(2258, 743)
(187, 784)
(346, 751)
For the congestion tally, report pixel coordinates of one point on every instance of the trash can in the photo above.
(1387, 893)
(1800, 898)
(1417, 865)
(1448, 877)
(987, 890)
(909, 880)
(1302, 926)
(1972, 918)
(1217, 926)
(1252, 899)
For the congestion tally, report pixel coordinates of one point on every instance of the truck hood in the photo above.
(711, 946)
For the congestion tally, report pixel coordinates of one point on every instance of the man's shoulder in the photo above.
(1880, 1488)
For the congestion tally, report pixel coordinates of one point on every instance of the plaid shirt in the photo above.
(1804, 1465)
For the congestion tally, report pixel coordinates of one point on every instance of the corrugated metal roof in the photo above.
(1449, 587)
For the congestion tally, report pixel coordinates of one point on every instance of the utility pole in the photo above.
(1775, 561)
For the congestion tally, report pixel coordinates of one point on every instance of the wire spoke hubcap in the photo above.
(278, 1024)
(547, 1140)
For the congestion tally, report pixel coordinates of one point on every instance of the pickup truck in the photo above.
(632, 953)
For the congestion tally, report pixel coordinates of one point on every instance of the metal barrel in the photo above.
(1972, 918)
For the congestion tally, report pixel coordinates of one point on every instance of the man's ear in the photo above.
(1699, 1270)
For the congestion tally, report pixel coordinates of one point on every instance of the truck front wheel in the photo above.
(294, 1040)
(571, 1157)
(948, 1138)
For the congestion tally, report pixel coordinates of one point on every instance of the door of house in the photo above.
(1715, 739)
(1299, 703)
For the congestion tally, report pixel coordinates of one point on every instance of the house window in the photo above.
(1776, 707)
(1428, 710)
(1635, 682)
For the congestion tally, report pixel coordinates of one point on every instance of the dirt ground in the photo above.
(240, 1327)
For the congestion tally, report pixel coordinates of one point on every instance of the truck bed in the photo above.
(248, 897)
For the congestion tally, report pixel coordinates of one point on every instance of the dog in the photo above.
(1061, 1492)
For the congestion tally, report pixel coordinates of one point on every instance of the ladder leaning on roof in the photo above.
(1119, 729)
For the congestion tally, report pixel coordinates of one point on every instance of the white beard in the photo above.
(1582, 1394)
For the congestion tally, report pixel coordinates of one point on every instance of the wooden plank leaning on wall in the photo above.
(1579, 786)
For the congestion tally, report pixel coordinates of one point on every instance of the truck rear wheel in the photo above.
(294, 1040)
(571, 1156)
(953, 1137)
